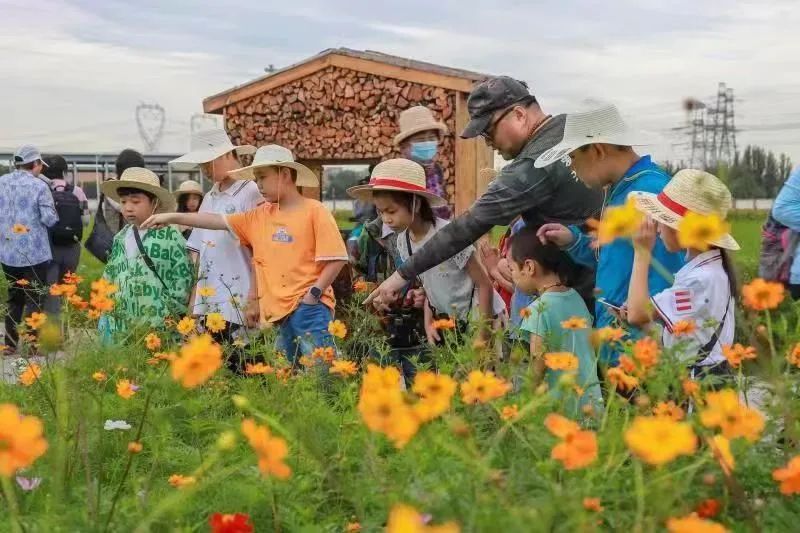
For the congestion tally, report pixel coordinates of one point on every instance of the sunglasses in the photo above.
(488, 133)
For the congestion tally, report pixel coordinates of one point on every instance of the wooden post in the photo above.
(466, 173)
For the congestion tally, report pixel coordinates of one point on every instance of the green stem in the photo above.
(13, 507)
(640, 503)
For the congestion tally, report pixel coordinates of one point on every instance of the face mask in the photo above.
(424, 151)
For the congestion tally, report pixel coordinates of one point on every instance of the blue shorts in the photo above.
(304, 329)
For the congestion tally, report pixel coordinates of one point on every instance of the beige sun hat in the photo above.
(189, 187)
(602, 125)
(689, 190)
(273, 155)
(142, 179)
(416, 119)
(399, 175)
(206, 146)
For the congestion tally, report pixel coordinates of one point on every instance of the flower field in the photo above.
(156, 434)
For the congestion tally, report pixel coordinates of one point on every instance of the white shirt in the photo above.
(224, 264)
(701, 294)
(448, 286)
(131, 248)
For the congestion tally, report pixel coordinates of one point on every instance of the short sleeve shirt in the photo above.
(224, 264)
(290, 249)
(700, 294)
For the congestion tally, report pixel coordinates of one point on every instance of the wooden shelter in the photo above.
(341, 107)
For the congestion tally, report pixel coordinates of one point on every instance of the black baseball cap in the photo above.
(489, 96)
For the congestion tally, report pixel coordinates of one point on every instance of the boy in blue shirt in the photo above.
(597, 146)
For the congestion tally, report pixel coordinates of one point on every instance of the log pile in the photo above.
(340, 114)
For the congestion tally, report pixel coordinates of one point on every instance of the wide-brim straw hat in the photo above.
(144, 180)
(206, 146)
(603, 125)
(273, 155)
(189, 187)
(417, 119)
(689, 190)
(397, 175)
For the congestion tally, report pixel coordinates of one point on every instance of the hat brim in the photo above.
(166, 201)
(364, 193)
(178, 194)
(434, 126)
(649, 204)
(305, 176)
(476, 126)
(196, 158)
(567, 146)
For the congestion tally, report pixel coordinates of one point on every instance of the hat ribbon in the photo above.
(394, 182)
(671, 204)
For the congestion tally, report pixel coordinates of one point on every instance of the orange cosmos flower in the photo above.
(658, 440)
(670, 410)
(693, 524)
(561, 361)
(126, 389)
(760, 295)
(179, 481)
(30, 375)
(617, 377)
(646, 352)
(510, 412)
(618, 222)
(22, 282)
(690, 387)
(406, 519)
(723, 410)
(483, 387)
(200, 358)
(134, 447)
(36, 320)
(70, 278)
(525, 312)
(577, 449)
(699, 231)
(444, 323)
(592, 504)
(152, 342)
(258, 368)
(788, 476)
(99, 376)
(271, 451)
(337, 328)
(794, 356)
(185, 326)
(215, 322)
(683, 328)
(343, 368)
(737, 353)
(607, 335)
(574, 323)
(230, 523)
(21, 440)
(206, 291)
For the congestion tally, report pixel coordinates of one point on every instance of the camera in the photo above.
(404, 327)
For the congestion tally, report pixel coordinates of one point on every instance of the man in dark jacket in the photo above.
(511, 121)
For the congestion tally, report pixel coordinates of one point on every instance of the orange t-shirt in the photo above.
(290, 249)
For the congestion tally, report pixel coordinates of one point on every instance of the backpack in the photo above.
(69, 228)
(778, 244)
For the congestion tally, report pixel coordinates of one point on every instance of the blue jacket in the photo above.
(613, 263)
(787, 211)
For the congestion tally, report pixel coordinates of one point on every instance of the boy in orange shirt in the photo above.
(297, 249)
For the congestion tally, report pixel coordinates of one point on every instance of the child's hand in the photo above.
(489, 255)
(645, 238)
(156, 221)
(252, 313)
(431, 332)
(558, 234)
(504, 269)
(416, 298)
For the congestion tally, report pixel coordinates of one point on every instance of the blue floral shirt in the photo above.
(26, 211)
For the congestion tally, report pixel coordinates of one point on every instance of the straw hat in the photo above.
(273, 155)
(416, 119)
(602, 125)
(189, 187)
(400, 175)
(689, 190)
(206, 146)
(144, 180)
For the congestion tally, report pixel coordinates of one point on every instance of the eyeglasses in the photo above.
(488, 133)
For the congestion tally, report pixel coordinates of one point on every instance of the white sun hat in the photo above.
(144, 180)
(274, 155)
(397, 175)
(207, 145)
(602, 125)
(689, 190)
(189, 187)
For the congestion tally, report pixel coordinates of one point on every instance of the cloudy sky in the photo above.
(74, 71)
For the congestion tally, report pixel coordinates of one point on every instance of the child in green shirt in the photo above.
(150, 268)
(557, 323)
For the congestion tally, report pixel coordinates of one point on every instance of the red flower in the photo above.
(708, 508)
(230, 523)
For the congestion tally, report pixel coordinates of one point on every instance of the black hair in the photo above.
(27, 166)
(730, 270)
(526, 245)
(56, 167)
(183, 199)
(126, 159)
(406, 199)
(127, 191)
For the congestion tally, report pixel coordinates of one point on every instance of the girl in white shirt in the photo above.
(702, 296)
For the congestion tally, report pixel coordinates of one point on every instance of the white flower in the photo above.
(116, 424)
(28, 484)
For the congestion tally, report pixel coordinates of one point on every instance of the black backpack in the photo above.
(69, 228)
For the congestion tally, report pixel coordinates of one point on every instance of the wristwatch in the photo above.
(316, 292)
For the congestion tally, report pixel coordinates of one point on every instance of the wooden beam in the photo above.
(402, 73)
(466, 159)
(217, 102)
(485, 159)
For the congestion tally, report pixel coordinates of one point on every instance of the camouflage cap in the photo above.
(489, 96)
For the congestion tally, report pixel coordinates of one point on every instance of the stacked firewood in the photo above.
(340, 114)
